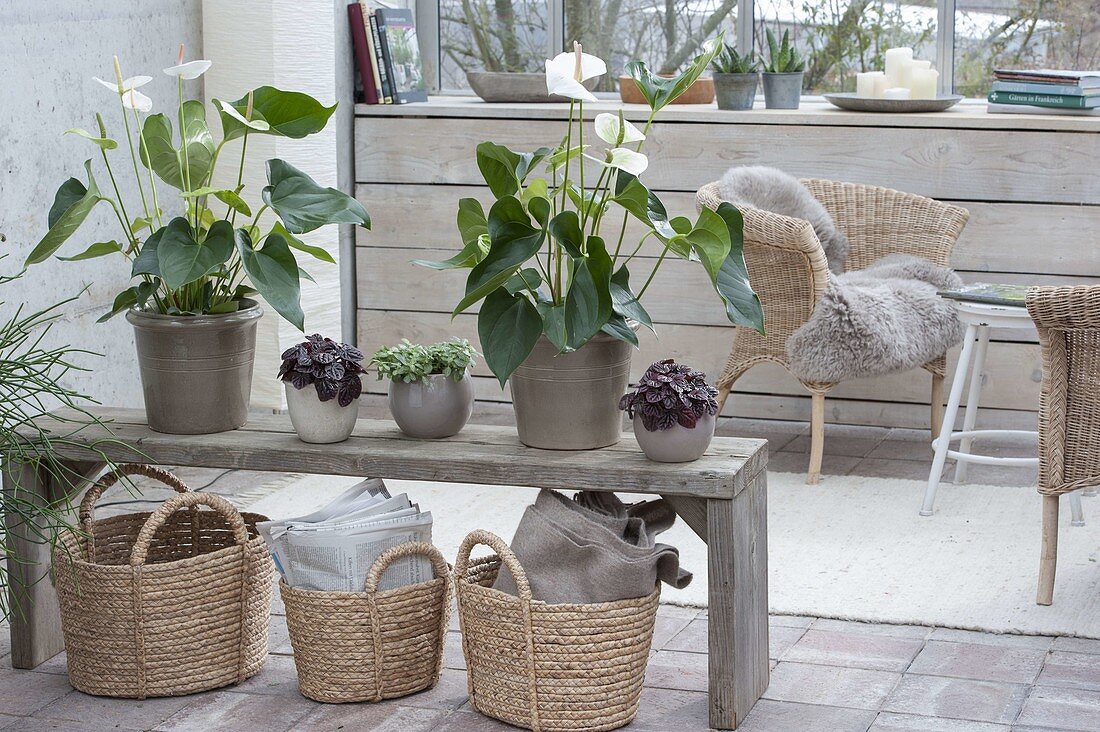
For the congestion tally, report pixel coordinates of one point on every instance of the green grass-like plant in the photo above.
(783, 58)
(411, 362)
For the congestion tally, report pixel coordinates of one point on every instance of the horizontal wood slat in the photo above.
(1017, 166)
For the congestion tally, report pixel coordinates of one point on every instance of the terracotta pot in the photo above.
(318, 422)
(196, 371)
(570, 401)
(437, 406)
(677, 444)
(701, 92)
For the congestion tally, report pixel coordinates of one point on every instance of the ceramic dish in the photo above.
(851, 102)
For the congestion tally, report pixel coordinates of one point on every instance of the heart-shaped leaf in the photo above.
(471, 220)
(617, 327)
(566, 230)
(303, 205)
(588, 302)
(504, 170)
(160, 152)
(147, 261)
(643, 204)
(732, 281)
(508, 326)
(512, 242)
(625, 303)
(183, 260)
(71, 205)
(135, 296)
(553, 324)
(274, 273)
(287, 114)
(659, 90)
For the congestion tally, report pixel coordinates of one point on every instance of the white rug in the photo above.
(851, 548)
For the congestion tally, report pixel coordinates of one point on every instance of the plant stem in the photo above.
(240, 173)
(123, 218)
(651, 274)
(256, 220)
(580, 164)
(134, 158)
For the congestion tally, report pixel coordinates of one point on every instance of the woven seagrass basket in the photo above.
(549, 668)
(165, 603)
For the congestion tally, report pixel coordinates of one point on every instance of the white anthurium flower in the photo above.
(608, 128)
(566, 72)
(255, 124)
(189, 70)
(624, 159)
(133, 99)
(127, 84)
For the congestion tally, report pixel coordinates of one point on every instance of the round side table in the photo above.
(979, 318)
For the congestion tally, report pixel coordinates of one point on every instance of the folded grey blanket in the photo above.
(593, 549)
(878, 320)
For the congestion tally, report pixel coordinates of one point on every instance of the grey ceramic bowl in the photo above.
(676, 444)
(437, 406)
(511, 86)
(848, 100)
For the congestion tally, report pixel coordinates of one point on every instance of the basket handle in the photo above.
(507, 558)
(108, 479)
(408, 549)
(184, 500)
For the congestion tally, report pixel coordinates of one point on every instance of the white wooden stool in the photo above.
(979, 318)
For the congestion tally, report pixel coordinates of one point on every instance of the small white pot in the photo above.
(316, 421)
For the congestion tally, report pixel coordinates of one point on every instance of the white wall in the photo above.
(48, 53)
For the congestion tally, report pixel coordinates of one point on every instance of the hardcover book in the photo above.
(380, 60)
(364, 57)
(1083, 79)
(1045, 100)
(1031, 87)
(401, 52)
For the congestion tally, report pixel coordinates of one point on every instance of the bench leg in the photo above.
(32, 601)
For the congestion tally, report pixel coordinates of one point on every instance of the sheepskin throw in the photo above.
(769, 189)
(878, 320)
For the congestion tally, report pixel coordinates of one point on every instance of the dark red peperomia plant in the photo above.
(670, 393)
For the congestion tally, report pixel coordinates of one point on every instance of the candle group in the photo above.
(904, 78)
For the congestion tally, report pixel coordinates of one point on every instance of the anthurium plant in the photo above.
(203, 261)
(550, 256)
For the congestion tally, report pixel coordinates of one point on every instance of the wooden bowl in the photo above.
(701, 92)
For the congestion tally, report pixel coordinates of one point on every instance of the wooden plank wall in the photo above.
(1032, 192)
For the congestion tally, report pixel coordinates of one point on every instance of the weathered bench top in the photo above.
(479, 454)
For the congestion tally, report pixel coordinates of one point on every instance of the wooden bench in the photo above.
(722, 497)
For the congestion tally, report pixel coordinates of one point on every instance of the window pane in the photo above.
(839, 38)
(663, 33)
(490, 35)
(1055, 34)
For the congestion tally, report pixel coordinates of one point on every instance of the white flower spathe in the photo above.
(189, 70)
(608, 129)
(566, 72)
(256, 124)
(132, 99)
(127, 84)
(623, 159)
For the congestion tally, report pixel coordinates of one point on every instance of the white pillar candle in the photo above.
(881, 85)
(897, 59)
(924, 83)
(908, 70)
(899, 92)
(866, 83)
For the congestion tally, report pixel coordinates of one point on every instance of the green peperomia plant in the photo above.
(203, 262)
(542, 261)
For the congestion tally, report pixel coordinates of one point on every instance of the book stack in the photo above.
(387, 54)
(1045, 91)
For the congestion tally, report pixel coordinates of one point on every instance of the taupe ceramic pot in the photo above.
(570, 401)
(677, 444)
(318, 422)
(437, 406)
(196, 371)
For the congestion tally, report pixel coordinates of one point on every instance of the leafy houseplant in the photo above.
(195, 274)
(735, 78)
(550, 263)
(782, 73)
(327, 412)
(430, 393)
(673, 408)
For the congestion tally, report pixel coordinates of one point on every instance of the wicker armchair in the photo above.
(1068, 321)
(788, 269)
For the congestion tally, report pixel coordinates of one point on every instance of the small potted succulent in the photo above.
(674, 410)
(327, 412)
(782, 73)
(430, 392)
(735, 78)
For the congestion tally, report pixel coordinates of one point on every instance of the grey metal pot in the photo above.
(196, 371)
(571, 401)
(782, 91)
(437, 406)
(677, 444)
(736, 91)
(318, 422)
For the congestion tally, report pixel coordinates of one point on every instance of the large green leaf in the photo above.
(295, 243)
(512, 242)
(553, 324)
(99, 249)
(303, 205)
(624, 302)
(135, 296)
(287, 113)
(617, 327)
(504, 170)
(710, 239)
(732, 282)
(71, 205)
(471, 220)
(643, 204)
(470, 255)
(160, 152)
(148, 261)
(659, 90)
(182, 260)
(104, 143)
(508, 326)
(588, 303)
(528, 278)
(566, 230)
(230, 198)
(274, 273)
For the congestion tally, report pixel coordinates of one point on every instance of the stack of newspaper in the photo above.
(333, 548)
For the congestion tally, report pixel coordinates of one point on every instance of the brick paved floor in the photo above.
(827, 675)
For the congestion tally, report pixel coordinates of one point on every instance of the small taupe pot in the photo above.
(319, 422)
(782, 91)
(677, 444)
(437, 406)
(736, 91)
(196, 370)
(570, 401)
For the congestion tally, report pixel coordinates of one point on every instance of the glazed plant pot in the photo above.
(437, 406)
(319, 422)
(196, 371)
(677, 444)
(782, 91)
(736, 91)
(570, 401)
(700, 92)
